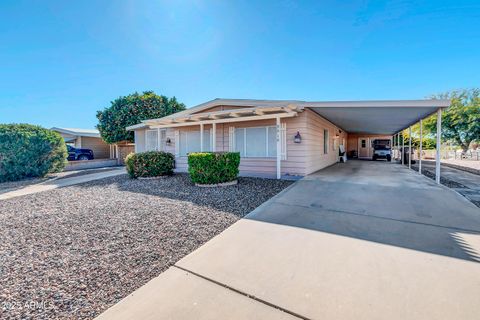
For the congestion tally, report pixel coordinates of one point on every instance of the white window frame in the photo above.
(245, 141)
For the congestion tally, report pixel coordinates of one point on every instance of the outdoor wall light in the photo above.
(298, 138)
(168, 141)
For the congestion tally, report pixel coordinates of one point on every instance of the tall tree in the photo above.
(132, 109)
(461, 121)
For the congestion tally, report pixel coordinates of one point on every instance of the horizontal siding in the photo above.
(315, 157)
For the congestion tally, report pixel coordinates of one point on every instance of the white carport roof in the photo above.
(376, 117)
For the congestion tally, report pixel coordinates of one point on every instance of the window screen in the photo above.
(190, 142)
(240, 141)
(151, 140)
(256, 142)
(163, 140)
(272, 142)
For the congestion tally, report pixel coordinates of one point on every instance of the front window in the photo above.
(256, 142)
(190, 142)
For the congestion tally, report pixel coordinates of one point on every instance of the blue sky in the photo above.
(61, 61)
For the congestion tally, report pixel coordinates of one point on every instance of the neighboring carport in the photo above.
(389, 117)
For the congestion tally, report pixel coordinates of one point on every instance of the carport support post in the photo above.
(279, 149)
(409, 147)
(394, 146)
(437, 155)
(398, 146)
(214, 137)
(421, 146)
(201, 137)
(402, 153)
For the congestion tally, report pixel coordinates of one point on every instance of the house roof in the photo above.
(370, 116)
(78, 132)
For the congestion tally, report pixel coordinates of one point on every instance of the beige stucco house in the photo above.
(276, 138)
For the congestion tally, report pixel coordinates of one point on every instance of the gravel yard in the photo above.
(72, 252)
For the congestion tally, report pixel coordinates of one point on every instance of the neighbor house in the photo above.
(86, 139)
(279, 137)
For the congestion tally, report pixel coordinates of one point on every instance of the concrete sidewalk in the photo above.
(361, 240)
(58, 183)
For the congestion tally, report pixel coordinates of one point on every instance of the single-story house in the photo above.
(281, 137)
(86, 139)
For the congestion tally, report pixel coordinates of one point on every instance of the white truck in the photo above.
(381, 149)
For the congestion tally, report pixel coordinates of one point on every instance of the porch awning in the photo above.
(234, 115)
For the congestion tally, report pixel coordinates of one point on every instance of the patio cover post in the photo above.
(394, 146)
(410, 147)
(201, 137)
(214, 137)
(403, 149)
(437, 155)
(421, 147)
(279, 149)
(398, 145)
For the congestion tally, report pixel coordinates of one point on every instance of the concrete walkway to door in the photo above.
(361, 240)
(60, 183)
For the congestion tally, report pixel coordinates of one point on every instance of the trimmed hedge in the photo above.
(213, 167)
(150, 164)
(28, 151)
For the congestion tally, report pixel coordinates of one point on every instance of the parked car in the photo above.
(79, 154)
(381, 149)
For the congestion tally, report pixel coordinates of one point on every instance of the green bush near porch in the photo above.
(213, 167)
(150, 164)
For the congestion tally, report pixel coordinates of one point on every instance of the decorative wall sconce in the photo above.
(168, 141)
(298, 138)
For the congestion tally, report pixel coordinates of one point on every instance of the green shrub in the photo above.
(30, 151)
(213, 167)
(150, 164)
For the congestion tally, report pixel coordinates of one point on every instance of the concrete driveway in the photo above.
(361, 240)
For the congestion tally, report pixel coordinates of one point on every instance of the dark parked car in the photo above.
(79, 154)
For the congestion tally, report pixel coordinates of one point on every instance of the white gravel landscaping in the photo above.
(72, 252)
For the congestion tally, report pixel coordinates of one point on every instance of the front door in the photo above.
(363, 148)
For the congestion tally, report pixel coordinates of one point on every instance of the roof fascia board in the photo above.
(74, 133)
(379, 103)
